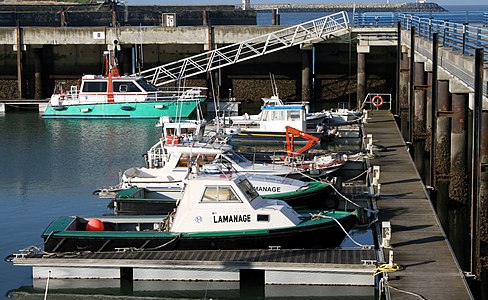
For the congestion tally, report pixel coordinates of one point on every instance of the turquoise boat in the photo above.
(174, 108)
(115, 96)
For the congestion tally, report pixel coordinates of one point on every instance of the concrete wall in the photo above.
(105, 15)
(68, 53)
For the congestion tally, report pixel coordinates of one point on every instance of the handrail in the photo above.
(464, 38)
(318, 29)
(461, 37)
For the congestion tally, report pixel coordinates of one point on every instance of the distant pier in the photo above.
(358, 7)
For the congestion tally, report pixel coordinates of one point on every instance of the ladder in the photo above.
(307, 32)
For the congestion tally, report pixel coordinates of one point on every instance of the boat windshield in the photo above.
(248, 190)
(239, 159)
(146, 85)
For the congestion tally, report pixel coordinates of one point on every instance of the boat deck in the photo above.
(418, 241)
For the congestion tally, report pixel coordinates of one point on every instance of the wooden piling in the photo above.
(458, 188)
(38, 74)
(443, 153)
(361, 78)
(411, 88)
(418, 126)
(403, 93)
(306, 74)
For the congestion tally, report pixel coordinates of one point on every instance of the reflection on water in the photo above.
(111, 289)
(50, 168)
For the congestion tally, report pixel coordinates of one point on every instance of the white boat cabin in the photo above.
(169, 165)
(213, 203)
(94, 89)
(275, 118)
(198, 153)
(175, 133)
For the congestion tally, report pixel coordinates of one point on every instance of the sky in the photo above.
(234, 2)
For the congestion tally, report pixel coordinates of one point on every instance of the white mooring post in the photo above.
(369, 144)
(386, 235)
(376, 181)
(246, 4)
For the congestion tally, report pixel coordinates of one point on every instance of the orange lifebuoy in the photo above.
(377, 101)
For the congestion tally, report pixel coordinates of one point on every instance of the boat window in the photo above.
(146, 85)
(205, 158)
(294, 115)
(201, 159)
(219, 194)
(263, 218)
(98, 86)
(279, 115)
(188, 131)
(235, 157)
(126, 86)
(248, 190)
(184, 160)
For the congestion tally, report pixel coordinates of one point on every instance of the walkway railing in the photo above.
(318, 29)
(461, 37)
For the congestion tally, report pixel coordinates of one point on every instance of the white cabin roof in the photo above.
(228, 202)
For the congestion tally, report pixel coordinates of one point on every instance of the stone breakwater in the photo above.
(359, 7)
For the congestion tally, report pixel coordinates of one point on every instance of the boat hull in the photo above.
(125, 110)
(312, 198)
(327, 234)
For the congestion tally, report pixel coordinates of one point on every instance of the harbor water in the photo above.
(51, 167)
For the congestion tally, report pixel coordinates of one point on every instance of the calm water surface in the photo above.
(50, 168)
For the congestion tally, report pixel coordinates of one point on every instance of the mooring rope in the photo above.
(321, 215)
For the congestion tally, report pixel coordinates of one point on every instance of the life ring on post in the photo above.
(377, 101)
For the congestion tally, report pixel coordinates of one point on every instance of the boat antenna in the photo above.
(139, 53)
(216, 102)
(274, 87)
(111, 68)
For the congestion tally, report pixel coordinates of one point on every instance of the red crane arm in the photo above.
(291, 133)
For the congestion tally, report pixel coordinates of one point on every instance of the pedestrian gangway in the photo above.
(307, 32)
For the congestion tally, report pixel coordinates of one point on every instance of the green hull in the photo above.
(140, 110)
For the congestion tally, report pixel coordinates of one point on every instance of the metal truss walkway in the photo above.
(318, 29)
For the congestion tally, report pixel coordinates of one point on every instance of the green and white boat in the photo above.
(115, 96)
(296, 193)
(216, 212)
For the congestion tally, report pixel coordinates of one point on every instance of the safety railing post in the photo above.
(430, 29)
(444, 33)
(465, 34)
(478, 37)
